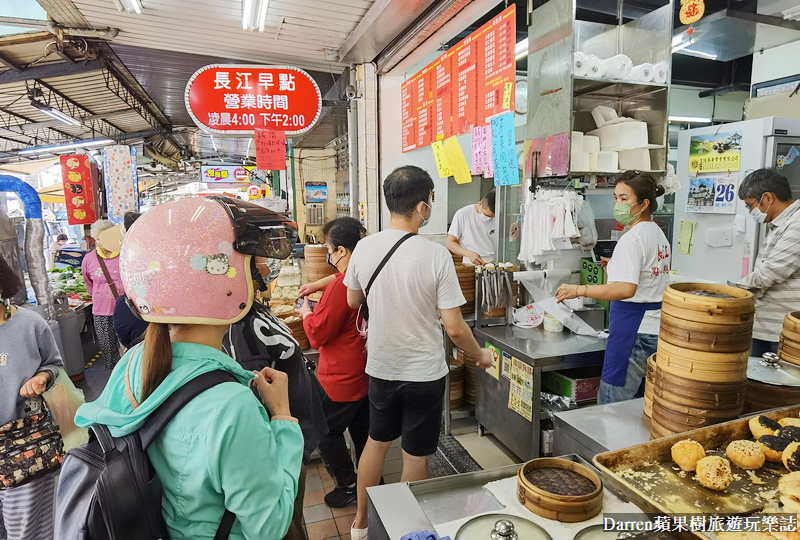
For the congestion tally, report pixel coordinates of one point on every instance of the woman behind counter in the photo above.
(331, 328)
(638, 273)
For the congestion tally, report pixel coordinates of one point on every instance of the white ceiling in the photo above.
(297, 31)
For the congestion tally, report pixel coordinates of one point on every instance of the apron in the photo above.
(623, 325)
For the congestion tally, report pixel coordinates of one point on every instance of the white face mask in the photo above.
(425, 221)
(483, 217)
(757, 214)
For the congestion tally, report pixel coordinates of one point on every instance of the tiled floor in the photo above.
(325, 523)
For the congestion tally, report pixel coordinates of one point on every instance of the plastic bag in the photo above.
(586, 225)
(529, 316)
(64, 400)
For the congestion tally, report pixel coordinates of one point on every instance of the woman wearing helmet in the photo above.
(186, 266)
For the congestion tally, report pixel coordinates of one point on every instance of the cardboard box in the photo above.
(578, 384)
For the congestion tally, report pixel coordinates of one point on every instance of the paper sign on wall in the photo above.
(488, 164)
(270, 150)
(441, 159)
(719, 237)
(505, 365)
(686, 237)
(720, 152)
(458, 163)
(520, 395)
(479, 165)
(504, 153)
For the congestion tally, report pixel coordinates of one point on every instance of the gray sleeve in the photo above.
(48, 352)
(448, 290)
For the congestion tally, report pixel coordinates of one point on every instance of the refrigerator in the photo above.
(724, 239)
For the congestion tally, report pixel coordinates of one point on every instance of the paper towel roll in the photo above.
(617, 67)
(594, 66)
(661, 73)
(580, 67)
(643, 72)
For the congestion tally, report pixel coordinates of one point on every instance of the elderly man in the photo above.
(776, 277)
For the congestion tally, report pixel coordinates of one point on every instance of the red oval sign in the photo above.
(237, 99)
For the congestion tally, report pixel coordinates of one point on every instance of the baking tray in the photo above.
(646, 475)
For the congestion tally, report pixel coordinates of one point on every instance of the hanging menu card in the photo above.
(470, 83)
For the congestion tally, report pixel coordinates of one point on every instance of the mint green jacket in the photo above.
(220, 451)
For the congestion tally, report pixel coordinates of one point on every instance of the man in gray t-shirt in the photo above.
(406, 361)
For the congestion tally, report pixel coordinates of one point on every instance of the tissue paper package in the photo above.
(590, 144)
(607, 161)
(576, 142)
(636, 159)
(623, 135)
(603, 115)
(593, 162)
(579, 161)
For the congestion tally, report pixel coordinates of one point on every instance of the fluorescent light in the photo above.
(214, 144)
(55, 113)
(56, 149)
(691, 119)
(254, 14)
(61, 117)
(131, 6)
(521, 50)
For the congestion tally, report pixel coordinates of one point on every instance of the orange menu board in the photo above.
(463, 87)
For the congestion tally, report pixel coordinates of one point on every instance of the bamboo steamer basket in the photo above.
(792, 322)
(456, 384)
(722, 361)
(698, 389)
(705, 341)
(649, 385)
(299, 333)
(678, 295)
(708, 412)
(470, 377)
(657, 431)
(678, 323)
(789, 335)
(564, 508)
(690, 370)
(705, 316)
(761, 396)
(790, 347)
(466, 280)
(717, 401)
(316, 265)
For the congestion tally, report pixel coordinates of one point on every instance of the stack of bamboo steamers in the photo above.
(789, 348)
(466, 280)
(700, 373)
(316, 266)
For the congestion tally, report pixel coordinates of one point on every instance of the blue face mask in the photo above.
(425, 221)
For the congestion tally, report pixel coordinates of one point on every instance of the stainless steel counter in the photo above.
(543, 351)
(592, 430)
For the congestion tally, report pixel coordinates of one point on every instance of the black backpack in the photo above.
(108, 489)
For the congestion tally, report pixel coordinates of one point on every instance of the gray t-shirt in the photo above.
(27, 346)
(404, 342)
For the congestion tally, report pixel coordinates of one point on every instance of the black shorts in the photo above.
(412, 410)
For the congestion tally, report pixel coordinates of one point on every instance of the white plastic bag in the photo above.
(529, 316)
(64, 400)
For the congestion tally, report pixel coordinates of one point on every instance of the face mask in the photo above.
(757, 214)
(425, 221)
(622, 213)
(331, 263)
(484, 218)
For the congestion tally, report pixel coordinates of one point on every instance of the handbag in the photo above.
(364, 307)
(110, 281)
(30, 447)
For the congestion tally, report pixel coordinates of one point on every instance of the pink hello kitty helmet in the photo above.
(189, 261)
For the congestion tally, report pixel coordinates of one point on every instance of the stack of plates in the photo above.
(703, 349)
(466, 280)
(789, 349)
(469, 376)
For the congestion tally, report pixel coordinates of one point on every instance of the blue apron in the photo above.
(623, 325)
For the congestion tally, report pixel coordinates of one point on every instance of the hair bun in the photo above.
(659, 190)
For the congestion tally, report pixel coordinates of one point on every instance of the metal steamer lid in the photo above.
(769, 369)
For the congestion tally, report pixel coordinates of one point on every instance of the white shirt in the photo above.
(405, 341)
(474, 232)
(642, 257)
